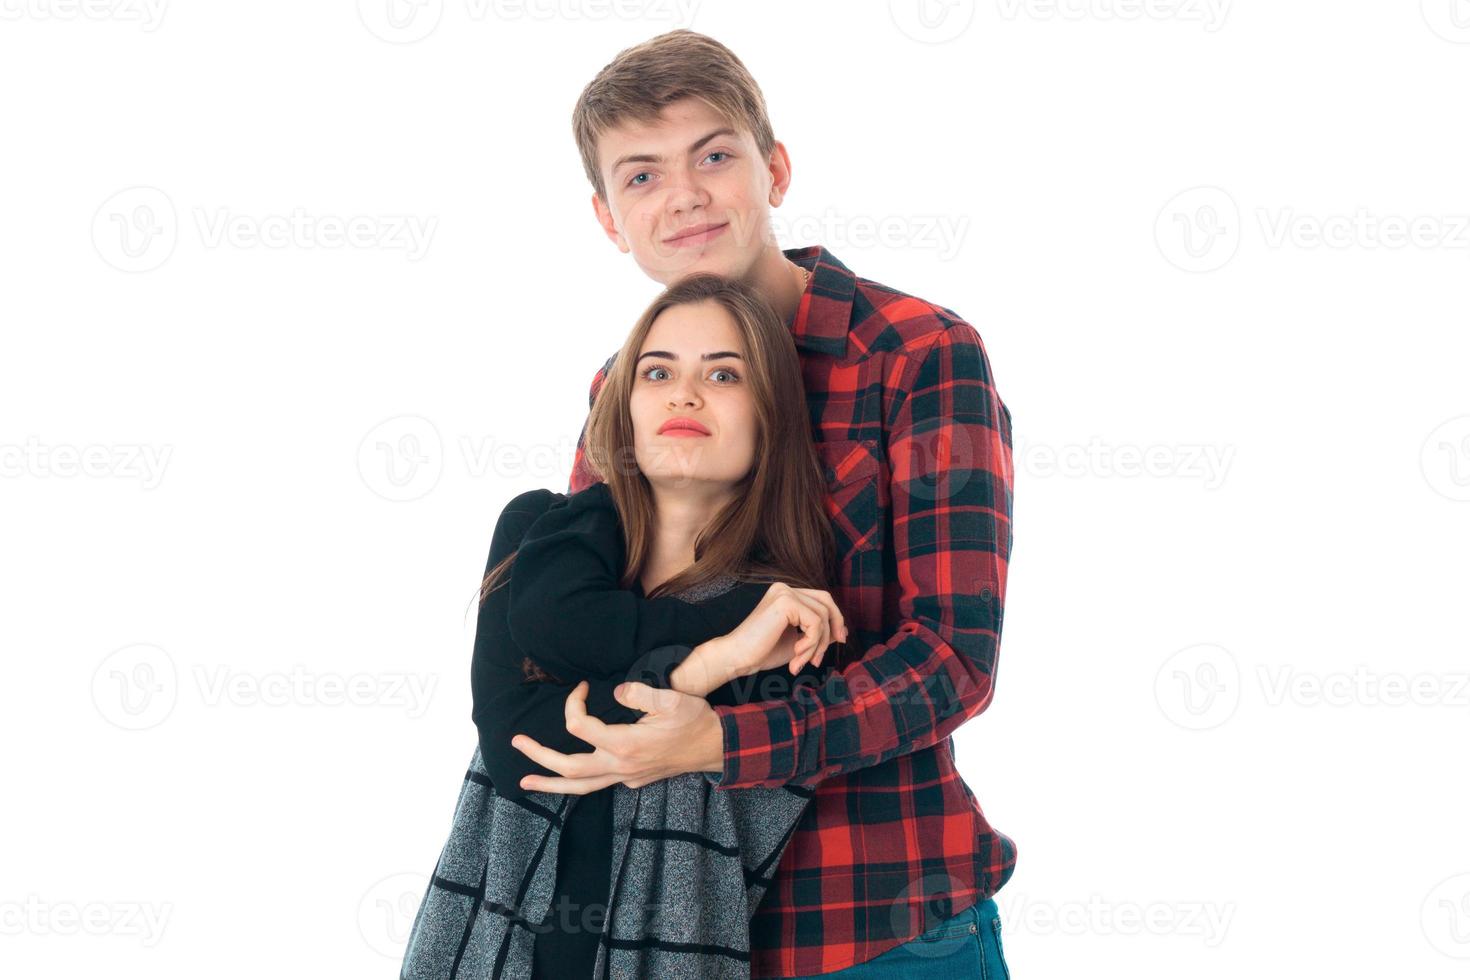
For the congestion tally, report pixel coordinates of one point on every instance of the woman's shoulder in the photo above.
(548, 516)
(535, 504)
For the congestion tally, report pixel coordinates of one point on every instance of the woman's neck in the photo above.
(678, 520)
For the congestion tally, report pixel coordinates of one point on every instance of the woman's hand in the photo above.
(792, 626)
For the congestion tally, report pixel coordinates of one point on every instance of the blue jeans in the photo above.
(964, 947)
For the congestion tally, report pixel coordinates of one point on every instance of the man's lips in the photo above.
(697, 235)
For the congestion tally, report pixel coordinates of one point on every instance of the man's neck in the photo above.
(780, 281)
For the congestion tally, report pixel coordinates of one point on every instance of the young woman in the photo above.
(700, 563)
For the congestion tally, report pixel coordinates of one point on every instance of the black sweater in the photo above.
(563, 608)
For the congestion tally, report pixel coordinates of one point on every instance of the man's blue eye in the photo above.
(637, 175)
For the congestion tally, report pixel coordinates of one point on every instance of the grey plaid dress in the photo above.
(690, 864)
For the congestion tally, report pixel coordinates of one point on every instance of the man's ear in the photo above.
(780, 167)
(609, 226)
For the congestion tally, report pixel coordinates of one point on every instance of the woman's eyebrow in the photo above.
(703, 357)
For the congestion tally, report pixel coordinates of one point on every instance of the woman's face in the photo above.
(691, 366)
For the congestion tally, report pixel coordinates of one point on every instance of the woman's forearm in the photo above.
(702, 671)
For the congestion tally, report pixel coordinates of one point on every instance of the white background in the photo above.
(1227, 239)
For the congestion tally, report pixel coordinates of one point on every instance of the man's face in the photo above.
(689, 170)
(675, 379)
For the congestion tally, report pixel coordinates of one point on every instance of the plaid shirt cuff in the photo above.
(761, 746)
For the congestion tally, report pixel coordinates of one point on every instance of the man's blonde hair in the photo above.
(641, 80)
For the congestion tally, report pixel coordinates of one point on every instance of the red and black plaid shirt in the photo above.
(917, 445)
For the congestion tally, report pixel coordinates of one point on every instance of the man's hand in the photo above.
(679, 733)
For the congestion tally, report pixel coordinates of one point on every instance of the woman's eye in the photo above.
(649, 374)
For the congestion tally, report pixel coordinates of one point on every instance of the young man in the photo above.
(894, 851)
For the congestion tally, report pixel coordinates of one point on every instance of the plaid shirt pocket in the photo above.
(854, 472)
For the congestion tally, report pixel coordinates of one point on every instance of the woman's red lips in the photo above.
(682, 427)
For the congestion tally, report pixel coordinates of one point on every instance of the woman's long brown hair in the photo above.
(775, 528)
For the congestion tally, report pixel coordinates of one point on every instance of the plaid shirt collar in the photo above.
(825, 311)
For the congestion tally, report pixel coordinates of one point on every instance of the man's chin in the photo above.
(718, 262)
